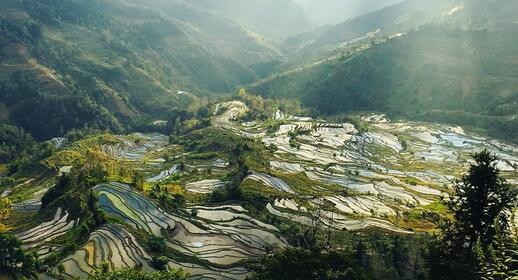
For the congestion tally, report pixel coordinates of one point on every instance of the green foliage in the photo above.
(156, 244)
(20, 150)
(132, 274)
(5, 207)
(260, 108)
(138, 181)
(232, 191)
(480, 204)
(61, 268)
(167, 200)
(14, 143)
(300, 264)
(78, 180)
(203, 112)
(436, 73)
(56, 113)
(210, 141)
(160, 263)
(481, 198)
(502, 262)
(26, 32)
(12, 258)
(293, 140)
(393, 257)
(180, 122)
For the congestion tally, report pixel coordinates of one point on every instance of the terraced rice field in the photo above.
(38, 237)
(27, 195)
(204, 186)
(136, 150)
(386, 171)
(270, 181)
(356, 180)
(163, 175)
(117, 247)
(110, 244)
(228, 234)
(29, 205)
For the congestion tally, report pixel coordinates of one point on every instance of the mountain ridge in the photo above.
(442, 70)
(125, 60)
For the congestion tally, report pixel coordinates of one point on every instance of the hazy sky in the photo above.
(323, 12)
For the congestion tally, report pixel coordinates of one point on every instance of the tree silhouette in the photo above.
(482, 198)
(480, 206)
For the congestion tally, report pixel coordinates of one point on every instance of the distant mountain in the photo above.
(391, 20)
(120, 64)
(274, 19)
(112, 64)
(218, 33)
(460, 69)
(324, 12)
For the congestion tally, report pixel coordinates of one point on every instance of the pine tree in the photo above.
(501, 261)
(480, 206)
(480, 198)
(503, 265)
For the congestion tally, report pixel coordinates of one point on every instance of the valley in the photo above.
(258, 139)
(373, 175)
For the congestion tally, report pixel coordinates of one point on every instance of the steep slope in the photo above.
(219, 34)
(108, 64)
(439, 72)
(395, 19)
(371, 177)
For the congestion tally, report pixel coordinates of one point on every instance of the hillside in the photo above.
(438, 72)
(112, 64)
(398, 18)
(228, 193)
(258, 139)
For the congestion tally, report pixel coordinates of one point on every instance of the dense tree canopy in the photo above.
(12, 258)
(301, 264)
(132, 274)
(14, 143)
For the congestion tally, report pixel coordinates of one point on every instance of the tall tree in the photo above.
(480, 207)
(481, 197)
